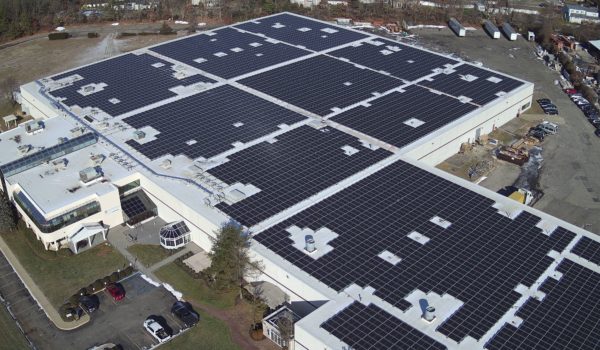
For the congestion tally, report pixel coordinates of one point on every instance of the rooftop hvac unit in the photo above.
(24, 149)
(309, 243)
(34, 127)
(429, 314)
(456, 27)
(509, 31)
(138, 134)
(89, 174)
(491, 29)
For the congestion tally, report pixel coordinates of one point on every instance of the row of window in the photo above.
(59, 221)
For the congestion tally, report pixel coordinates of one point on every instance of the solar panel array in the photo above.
(479, 259)
(131, 79)
(362, 327)
(321, 83)
(588, 249)
(480, 85)
(208, 123)
(302, 31)
(388, 118)
(566, 318)
(299, 164)
(228, 53)
(400, 60)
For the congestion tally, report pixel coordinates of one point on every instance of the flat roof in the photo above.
(247, 125)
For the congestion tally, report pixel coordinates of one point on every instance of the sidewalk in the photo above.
(37, 294)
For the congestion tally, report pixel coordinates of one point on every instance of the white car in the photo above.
(156, 330)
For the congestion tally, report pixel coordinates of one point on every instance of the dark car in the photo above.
(597, 132)
(544, 100)
(116, 291)
(537, 133)
(89, 303)
(185, 313)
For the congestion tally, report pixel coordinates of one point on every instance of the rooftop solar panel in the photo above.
(298, 165)
(400, 60)
(477, 84)
(588, 249)
(321, 84)
(472, 252)
(566, 318)
(401, 118)
(132, 81)
(301, 31)
(362, 327)
(209, 123)
(228, 53)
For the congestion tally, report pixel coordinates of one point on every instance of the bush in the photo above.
(82, 291)
(106, 280)
(114, 277)
(97, 286)
(122, 274)
(59, 36)
(126, 34)
(147, 33)
(89, 290)
(92, 35)
(128, 270)
(74, 300)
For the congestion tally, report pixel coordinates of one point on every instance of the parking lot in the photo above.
(115, 322)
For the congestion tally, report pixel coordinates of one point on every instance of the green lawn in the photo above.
(210, 333)
(193, 289)
(60, 275)
(12, 338)
(150, 254)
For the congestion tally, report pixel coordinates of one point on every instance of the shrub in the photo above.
(82, 291)
(128, 270)
(122, 274)
(97, 285)
(106, 280)
(92, 35)
(74, 300)
(89, 290)
(126, 34)
(114, 277)
(58, 36)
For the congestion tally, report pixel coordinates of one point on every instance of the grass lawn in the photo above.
(193, 289)
(150, 254)
(58, 274)
(11, 336)
(209, 333)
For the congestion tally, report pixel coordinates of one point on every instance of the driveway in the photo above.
(114, 322)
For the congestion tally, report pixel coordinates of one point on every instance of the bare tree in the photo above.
(7, 87)
(285, 325)
(7, 215)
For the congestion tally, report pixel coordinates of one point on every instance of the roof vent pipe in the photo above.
(429, 314)
(309, 243)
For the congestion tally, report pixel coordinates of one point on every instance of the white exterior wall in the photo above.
(171, 209)
(447, 143)
(32, 103)
(110, 214)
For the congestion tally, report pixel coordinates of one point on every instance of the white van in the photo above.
(548, 127)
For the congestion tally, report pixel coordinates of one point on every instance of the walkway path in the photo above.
(37, 293)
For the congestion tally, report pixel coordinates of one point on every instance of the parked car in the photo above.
(537, 134)
(185, 313)
(544, 100)
(156, 329)
(116, 291)
(570, 91)
(597, 132)
(548, 127)
(89, 303)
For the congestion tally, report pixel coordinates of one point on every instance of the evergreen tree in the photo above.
(230, 258)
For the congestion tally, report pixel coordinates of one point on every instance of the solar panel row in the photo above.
(130, 79)
(301, 31)
(299, 164)
(479, 259)
(401, 118)
(370, 327)
(588, 249)
(228, 53)
(208, 123)
(566, 318)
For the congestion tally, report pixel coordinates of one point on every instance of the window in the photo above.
(128, 187)
(525, 106)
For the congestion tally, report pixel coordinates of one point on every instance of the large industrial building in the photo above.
(321, 141)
